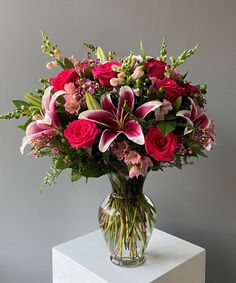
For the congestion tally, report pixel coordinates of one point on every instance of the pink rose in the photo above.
(171, 88)
(155, 68)
(64, 77)
(158, 146)
(81, 133)
(104, 73)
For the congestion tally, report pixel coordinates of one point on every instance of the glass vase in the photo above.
(126, 218)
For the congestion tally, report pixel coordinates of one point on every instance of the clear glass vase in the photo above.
(126, 219)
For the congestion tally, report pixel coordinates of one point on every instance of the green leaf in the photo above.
(19, 103)
(100, 54)
(178, 103)
(24, 126)
(142, 51)
(93, 169)
(67, 63)
(33, 99)
(75, 175)
(92, 102)
(166, 126)
(60, 164)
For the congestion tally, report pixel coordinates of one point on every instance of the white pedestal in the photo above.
(168, 260)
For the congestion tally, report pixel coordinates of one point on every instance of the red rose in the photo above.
(155, 68)
(171, 88)
(104, 73)
(158, 146)
(191, 88)
(81, 133)
(64, 77)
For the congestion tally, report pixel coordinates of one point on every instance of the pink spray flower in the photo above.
(117, 120)
(195, 117)
(132, 157)
(72, 104)
(48, 123)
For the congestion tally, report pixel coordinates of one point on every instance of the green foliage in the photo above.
(91, 46)
(67, 63)
(163, 51)
(178, 103)
(51, 176)
(182, 57)
(20, 103)
(100, 54)
(75, 175)
(34, 100)
(92, 102)
(15, 114)
(142, 51)
(166, 126)
(92, 169)
(24, 126)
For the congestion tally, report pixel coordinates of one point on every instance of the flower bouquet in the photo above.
(117, 116)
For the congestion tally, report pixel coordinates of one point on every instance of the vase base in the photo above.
(127, 261)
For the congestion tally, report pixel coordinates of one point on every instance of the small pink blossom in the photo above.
(138, 73)
(164, 109)
(72, 105)
(54, 150)
(134, 172)
(137, 91)
(51, 65)
(70, 88)
(146, 162)
(119, 149)
(133, 157)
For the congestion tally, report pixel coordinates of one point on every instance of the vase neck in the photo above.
(124, 187)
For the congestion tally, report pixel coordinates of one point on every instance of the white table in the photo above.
(168, 260)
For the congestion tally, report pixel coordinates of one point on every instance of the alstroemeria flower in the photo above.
(195, 117)
(46, 124)
(118, 119)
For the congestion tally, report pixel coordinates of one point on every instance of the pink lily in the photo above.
(195, 117)
(46, 124)
(118, 119)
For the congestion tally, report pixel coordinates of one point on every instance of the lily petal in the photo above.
(134, 132)
(101, 117)
(107, 104)
(46, 98)
(106, 139)
(143, 110)
(186, 114)
(126, 96)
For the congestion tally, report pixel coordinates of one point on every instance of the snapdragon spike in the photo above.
(118, 120)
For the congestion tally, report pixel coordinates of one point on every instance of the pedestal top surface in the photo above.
(164, 253)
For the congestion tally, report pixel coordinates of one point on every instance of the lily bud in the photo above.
(92, 102)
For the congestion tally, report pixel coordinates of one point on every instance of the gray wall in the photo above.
(197, 204)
